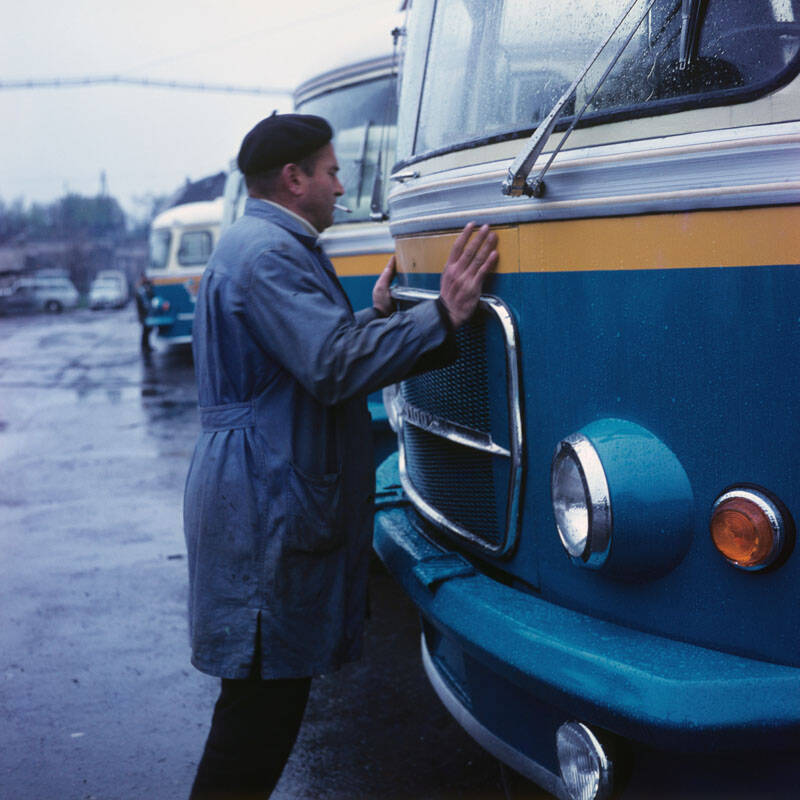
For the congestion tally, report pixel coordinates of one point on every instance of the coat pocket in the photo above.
(313, 508)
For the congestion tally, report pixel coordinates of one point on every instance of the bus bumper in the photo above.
(512, 667)
(158, 321)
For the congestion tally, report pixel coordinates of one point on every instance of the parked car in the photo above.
(46, 293)
(109, 290)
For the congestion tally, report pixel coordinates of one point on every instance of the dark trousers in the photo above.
(145, 342)
(253, 730)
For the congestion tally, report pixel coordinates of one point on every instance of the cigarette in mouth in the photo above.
(343, 208)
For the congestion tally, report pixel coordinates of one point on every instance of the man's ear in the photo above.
(292, 178)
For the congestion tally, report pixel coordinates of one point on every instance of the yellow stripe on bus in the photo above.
(370, 264)
(684, 240)
(183, 279)
(352, 266)
(428, 253)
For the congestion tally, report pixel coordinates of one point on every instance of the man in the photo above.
(144, 294)
(279, 497)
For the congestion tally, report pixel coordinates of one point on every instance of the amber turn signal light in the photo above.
(748, 528)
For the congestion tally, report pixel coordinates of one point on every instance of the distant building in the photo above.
(208, 188)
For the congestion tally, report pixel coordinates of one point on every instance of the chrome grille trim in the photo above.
(468, 437)
(448, 429)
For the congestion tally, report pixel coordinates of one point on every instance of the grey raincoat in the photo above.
(279, 496)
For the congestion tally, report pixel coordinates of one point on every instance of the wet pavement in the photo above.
(98, 700)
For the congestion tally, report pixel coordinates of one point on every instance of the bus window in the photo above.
(363, 118)
(159, 248)
(523, 54)
(195, 248)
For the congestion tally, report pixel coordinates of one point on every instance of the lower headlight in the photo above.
(580, 499)
(584, 766)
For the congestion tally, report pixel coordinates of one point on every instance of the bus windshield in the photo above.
(195, 248)
(363, 118)
(496, 67)
(159, 248)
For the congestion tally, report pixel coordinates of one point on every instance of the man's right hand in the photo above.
(471, 259)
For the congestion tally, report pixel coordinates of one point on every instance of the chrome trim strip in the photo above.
(412, 294)
(447, 430)
(611, 154)
(175, 339)
(778, 193)
(716, 169)
(519, 762)
(595, 485)
(357, 238)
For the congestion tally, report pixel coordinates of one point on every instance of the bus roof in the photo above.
(345, 73)
(203, 212)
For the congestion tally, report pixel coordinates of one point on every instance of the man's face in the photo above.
(322, 188)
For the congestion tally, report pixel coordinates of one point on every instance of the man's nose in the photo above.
(339, 190)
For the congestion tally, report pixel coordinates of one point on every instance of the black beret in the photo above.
(282, 139)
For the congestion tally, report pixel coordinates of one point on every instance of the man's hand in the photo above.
(470, 261)
(381, 296)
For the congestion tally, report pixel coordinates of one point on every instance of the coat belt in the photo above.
(227, 417)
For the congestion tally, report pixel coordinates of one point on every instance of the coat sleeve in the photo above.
(365, 315)
(292, 315)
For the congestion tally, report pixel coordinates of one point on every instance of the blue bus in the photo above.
(594, 507)
(181, 241)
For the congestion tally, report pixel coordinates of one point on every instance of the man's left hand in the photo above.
(381, 296)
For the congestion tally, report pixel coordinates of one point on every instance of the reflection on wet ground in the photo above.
(168, 395)
(97, 695)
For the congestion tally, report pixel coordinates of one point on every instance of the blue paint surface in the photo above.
(644, 687)
(167, 323)
(703, 359)
(697, 368)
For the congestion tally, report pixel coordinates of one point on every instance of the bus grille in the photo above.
(460, 438)
(455, 480)
(459, 392)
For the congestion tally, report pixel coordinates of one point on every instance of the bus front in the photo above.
(181, 241)
(593, 508)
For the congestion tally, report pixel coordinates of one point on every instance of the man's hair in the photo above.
(263, 184)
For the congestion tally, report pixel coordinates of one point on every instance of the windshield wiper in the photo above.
(517, 181)
(377, 213)
(690, 29)
(362, 162)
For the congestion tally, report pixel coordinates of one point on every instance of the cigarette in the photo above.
(343, 208)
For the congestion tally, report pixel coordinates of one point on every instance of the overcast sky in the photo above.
(149, 140)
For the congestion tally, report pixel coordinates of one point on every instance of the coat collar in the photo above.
(283, 217)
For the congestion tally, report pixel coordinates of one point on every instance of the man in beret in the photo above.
(279, 497)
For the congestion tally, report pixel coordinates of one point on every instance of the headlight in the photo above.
(580, 499)
(621, 500)
(585, 768)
